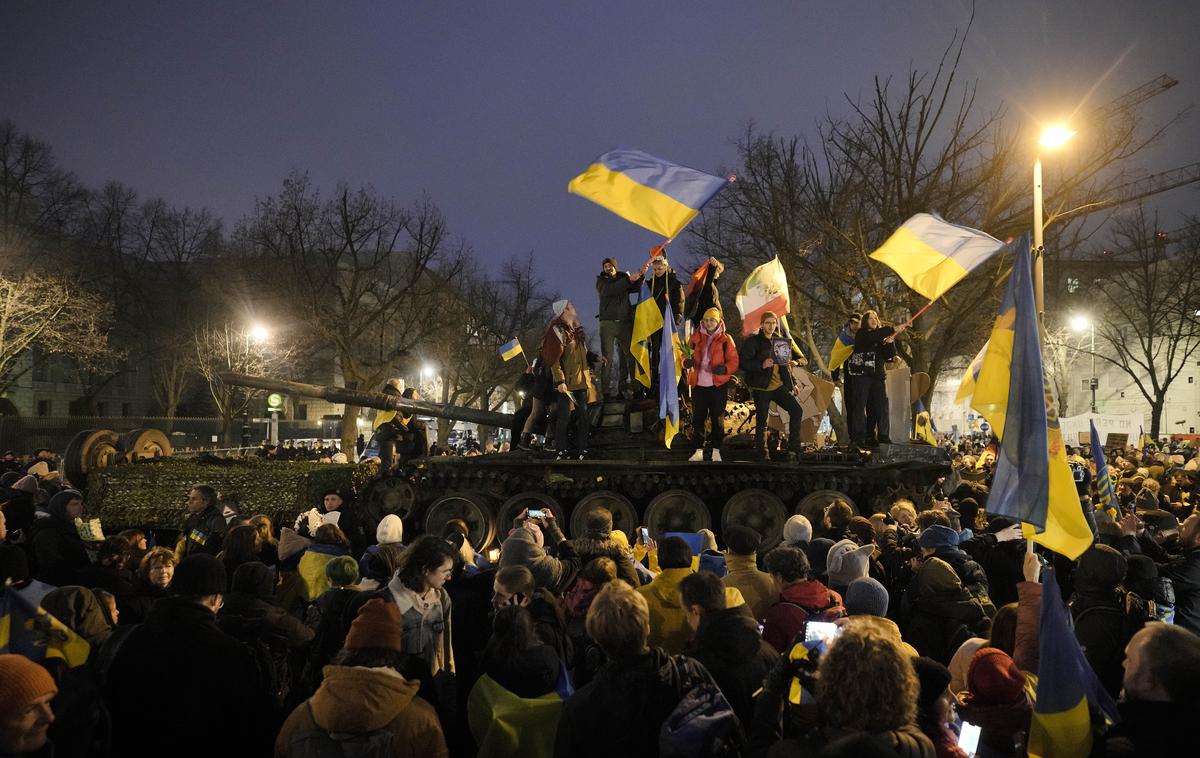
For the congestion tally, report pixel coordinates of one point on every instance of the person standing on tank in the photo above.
(714, 359)
(564, 349)
(841, 375)
(874, 349)
(766, 359)
(616, 325)
(665, 289)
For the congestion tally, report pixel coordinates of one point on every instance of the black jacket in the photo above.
(755, 349)
(140, 602)
(729, 646)
(1185, 573)
(871, 353)
(664, 287)
(216, 703)
(614, 296)
(202, 532)
(589, 548)
(253, 620)
(621, 711)
(58, 552)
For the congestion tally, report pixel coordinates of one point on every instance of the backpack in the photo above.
(318, 743)
(702, 724)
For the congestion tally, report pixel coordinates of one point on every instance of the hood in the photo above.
(1005, 719)
(847, 561)
(937, 576)
(291, 543)
(356, 699)
(520, 549)
(79, 610)
(58, 504)
(665, 587)
(590, 547)
(730, 634)
(741, 562)
(390, 530)
(1099, 571)
(809, 594)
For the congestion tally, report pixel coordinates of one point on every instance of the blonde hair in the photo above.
(866, 681)
(903, 506)
(1152, 485)
(619, 620)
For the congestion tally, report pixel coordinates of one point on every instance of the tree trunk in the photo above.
(349, 432)
(1156, 410)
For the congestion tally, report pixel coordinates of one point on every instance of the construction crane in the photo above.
(1132, 98)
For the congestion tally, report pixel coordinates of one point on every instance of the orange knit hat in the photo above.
(376, 625)
(22, 681)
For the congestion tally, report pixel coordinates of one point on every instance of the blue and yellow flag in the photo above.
(670, 364)
(1033, 481)
(1144, 439)
(1062, 725)
(923, 425)
(651, 192)
(647, 319)
(966, 387)
(35, 634)
(932, 255)
(1106, 496)
(510, 350)
(843, 348)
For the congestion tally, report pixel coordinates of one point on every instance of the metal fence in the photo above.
(25, 434)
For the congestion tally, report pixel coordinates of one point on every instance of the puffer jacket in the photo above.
(721, 352)
(590, 547)
(798, 603)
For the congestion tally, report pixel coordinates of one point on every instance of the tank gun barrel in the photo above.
(378, 400)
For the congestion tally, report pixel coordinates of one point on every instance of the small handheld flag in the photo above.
(32, 632)
(1106, 497)
(646, 190)
(931, 255)
(510, 350)
(843, 348)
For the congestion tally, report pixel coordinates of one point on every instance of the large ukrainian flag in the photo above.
(647, 319)
(1033, 481)
(931, 255)
(649, 191)
(670, 365)
(1061, 725)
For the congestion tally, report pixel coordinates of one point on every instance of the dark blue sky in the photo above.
(492, 107)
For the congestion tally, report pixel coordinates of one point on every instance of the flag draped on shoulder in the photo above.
(843, 348)
(510, 350)
(1033, 481)
(1061, 725)
(32, 632)
(647, 319)
(765, 289)
(1106, 496)
(932, 255)
(670, 364)
(646, 190)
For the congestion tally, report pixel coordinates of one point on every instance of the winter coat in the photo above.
(728, 644)
(871, 353)
(427, 634)
(574, 359)
(614, 294)
(1185, 573)
(970, 573)
(520, 549)
(1150, 729)
(531, 673)
(664, 287)
(620, 712)
(505, 724)
(721, 352)
(327, 618)
(253, 620)
(351, 525)
(138, 604)
(756, 586)
(359, 700)
(213, 682)
(942, 614)
(755, 349)
(799, 602)
(589, 548)
(202, 532)
(59, 554)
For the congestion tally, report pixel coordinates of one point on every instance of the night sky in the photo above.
(492, 107)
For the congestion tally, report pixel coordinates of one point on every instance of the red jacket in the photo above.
(721, 351)
(800, 602)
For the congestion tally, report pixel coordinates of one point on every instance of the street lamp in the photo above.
(1052, 138)
(1078, 325)
(259, 333)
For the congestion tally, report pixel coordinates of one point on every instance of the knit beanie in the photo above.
(254, 578)
(22, 681)
(597, 523)
(934, 677)
(9, 478)
(558, 307)
(342, 571)
(27, 484)
(376, 625)
(862, 529)
(797, 529)
(390, 530)
(938, 536)
(613, 261)
(847, 561)
(199, 575)
(742, 540)
(993, 678)
(712, 313)
(866, 597)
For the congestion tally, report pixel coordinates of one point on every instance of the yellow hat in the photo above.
(713, 313)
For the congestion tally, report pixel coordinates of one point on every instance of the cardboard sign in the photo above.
(1116, 440)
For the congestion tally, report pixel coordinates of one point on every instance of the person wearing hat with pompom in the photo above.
(565, 352)
(217, 697)
(616, 324)
(25, 714)
(713, 361)
(364, 701)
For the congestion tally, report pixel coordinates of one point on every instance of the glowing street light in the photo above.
(427, 370)
(1080, 323)
(259, 333)
(1055, 136)
(1052, 138)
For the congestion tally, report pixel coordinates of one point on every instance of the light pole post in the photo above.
(1039, 293)
(1094, 382)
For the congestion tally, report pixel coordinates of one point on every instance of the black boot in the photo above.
(524, 443)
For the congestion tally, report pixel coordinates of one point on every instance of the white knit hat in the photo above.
(390, 530)
(797, 529)
(558, 307)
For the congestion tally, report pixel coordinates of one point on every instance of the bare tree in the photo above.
(225, 347)
(360, 273)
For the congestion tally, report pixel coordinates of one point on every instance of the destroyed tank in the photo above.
(629, 472)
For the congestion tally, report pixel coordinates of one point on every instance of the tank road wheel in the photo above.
(89, 450)
(516, 505)
(624, 516)
(143, 444)
(761, 511)
(471, 507)
(386, 495)
(677, 511)
(813, 506)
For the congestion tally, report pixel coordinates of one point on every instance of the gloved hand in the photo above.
(720, 370)
(688, 363)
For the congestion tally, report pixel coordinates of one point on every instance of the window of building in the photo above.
(43, 407)
(302, 412)
(126, 410)
(1191, 379)
(102, 408)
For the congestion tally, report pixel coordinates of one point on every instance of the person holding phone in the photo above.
(770, 382)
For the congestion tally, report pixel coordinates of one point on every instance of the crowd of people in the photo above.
(880, 633)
